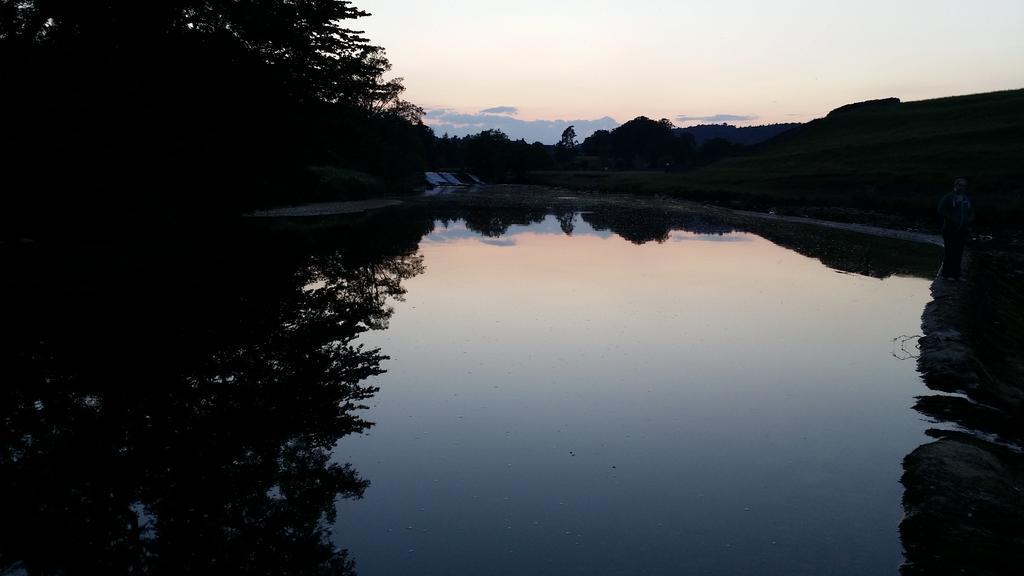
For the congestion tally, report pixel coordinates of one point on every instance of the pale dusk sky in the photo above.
(742, 61)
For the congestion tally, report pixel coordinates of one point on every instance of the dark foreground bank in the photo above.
(964, 498)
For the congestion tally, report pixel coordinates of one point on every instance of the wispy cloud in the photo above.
(716, 118)
(511, 110)
(453, 123)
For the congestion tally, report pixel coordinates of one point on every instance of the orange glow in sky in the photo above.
(780, 61)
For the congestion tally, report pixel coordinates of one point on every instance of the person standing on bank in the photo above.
(957, 215)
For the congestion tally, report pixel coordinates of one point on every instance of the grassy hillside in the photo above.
(895, 158)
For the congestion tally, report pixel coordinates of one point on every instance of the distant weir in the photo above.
(439, 179)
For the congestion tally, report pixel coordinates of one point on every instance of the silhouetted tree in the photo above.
(486, 153)
(565, 149)
(643, 143)
(540, 158)
(599, 144)
(179, 109)
(526, 157)
(566, 221)
(489, 154)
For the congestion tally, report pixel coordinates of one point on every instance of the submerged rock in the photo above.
(964, 505)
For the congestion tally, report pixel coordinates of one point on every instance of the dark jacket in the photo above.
(957, 213)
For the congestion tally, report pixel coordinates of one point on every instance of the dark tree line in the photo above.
(641, 144)
(491, 155)
(646, 144)
(177, 110)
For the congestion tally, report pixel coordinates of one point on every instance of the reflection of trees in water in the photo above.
(364, 292)
(846, 251)
(637, 226)
(187, 427)
(566, 221)
(494, 223)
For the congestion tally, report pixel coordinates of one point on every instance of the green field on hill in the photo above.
(889, 157)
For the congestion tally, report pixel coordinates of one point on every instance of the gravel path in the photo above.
(325, 208)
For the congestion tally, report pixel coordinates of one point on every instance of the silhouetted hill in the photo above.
(890, 146)
(880, 103)
(747, 135)
(880, 156)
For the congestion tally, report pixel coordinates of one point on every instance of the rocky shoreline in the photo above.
(964, 498)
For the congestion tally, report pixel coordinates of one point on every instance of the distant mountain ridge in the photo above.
(747, 135)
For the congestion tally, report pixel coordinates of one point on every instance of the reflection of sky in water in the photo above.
(584, 405)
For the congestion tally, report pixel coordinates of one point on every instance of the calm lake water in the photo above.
(582, 404)
(457, 389)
